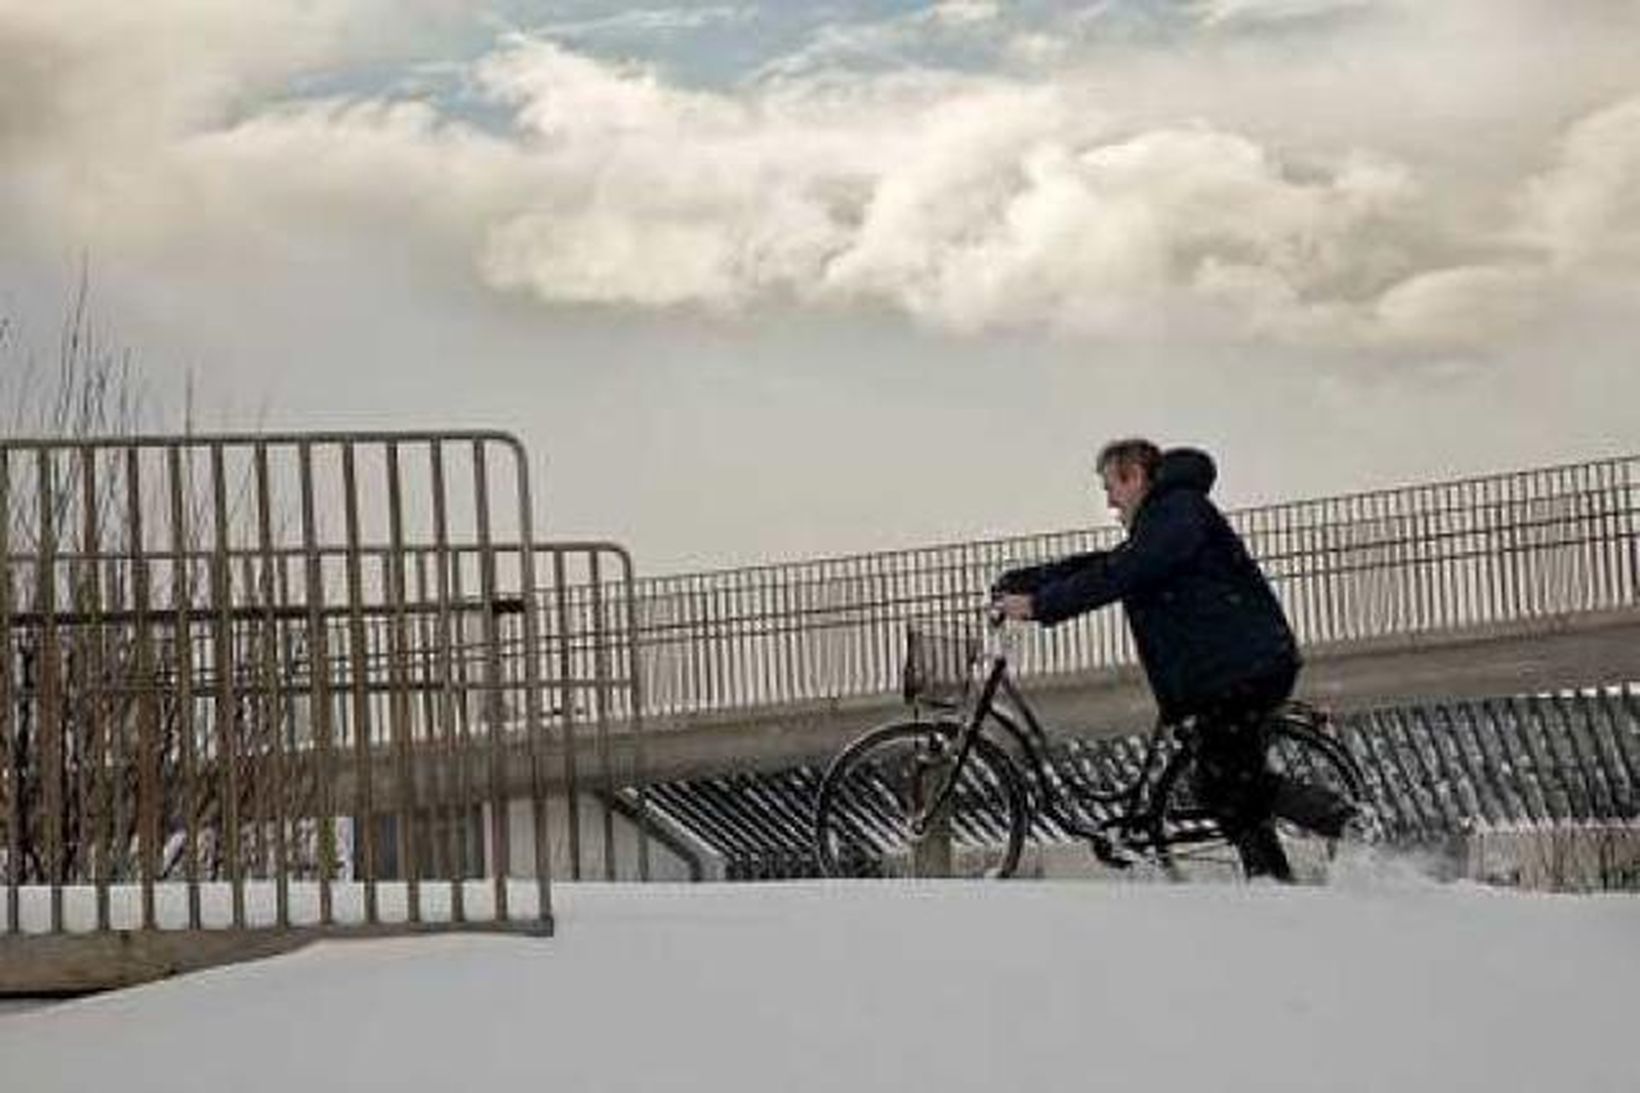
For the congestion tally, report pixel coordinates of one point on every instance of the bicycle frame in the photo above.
(1031, 742)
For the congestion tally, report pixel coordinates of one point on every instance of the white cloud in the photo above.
(1586, 208)
(121, 78)
(1118, 197)
(965, 12)
(1466, 306)
(653, 20)
(1215, 12)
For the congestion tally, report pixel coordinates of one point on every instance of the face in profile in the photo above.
(1125, 487)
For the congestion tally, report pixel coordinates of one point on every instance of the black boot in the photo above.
(1262, 855)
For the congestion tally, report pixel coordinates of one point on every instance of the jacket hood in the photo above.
(1185, 469)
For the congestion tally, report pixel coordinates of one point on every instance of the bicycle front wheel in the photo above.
(1315, 775)
(871, 818)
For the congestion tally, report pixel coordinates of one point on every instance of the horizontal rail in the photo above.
(1367, 566)
(228, 658)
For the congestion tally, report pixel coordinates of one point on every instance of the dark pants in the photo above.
(1234, 781)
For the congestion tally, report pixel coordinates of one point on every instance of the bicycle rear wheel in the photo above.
(1312, 767)
(863, 817)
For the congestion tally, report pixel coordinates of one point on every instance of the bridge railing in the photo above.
(1382, 564)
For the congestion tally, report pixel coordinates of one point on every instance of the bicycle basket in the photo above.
(938, 667)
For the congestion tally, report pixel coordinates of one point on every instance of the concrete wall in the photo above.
(1586, 857)
(683, 860)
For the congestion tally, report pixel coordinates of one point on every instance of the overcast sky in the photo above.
(769, 280)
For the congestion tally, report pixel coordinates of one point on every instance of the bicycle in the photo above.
(956, 789)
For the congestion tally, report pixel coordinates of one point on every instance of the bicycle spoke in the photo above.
(871, 795)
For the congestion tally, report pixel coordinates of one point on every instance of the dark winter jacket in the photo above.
(1202, 615)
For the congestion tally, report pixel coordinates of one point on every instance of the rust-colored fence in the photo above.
(268, 675)
(1446, 555)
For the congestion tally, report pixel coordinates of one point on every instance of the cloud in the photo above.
(966, 12)
(652, 20)
(84, 73)
(1266, 190)
(1585, 210)
(1220, 12)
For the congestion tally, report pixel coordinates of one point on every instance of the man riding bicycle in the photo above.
(1211, 635)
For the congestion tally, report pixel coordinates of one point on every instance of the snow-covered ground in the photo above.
(1383, 982)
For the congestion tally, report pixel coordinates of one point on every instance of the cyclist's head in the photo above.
(1133, 452)
(1126, 469)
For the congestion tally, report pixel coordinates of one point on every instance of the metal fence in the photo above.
(1435, 773)
(286, 670)
(301, 664)
(1389, 563)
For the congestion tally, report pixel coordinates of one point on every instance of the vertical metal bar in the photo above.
(635, 725)
(1429, 553)
(735, 637)
(227, 721)
(1307, 557)
(1630, 503)
(398, 683)
(882, 631)
(792, 647)
(533, 656)
(600, 713)
(48, 731)
(711, 640)
(77, 689)
(454, 751)
(424, 661)
(1605, 534)
(566, 712)
(1534, 517)
(253, 704)
(1494, 551)
(149, 790)
(321, 710)
(1597, 535)
(1406, 567)
(1494, 541)
(500, 841)
(1327, 592)
(95, 783)
(364, 810)
(535, 727)
(1476, 552)
(11, 774)
(295, 805)
(1514, 550)
(272, 699)
(699, 689)
(1445, 530)
(181, 603)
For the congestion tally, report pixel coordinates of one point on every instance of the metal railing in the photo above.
(1433, 772)
(1378, 565)
(236, 662)
(338, 660)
